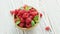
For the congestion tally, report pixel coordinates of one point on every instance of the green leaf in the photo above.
(27, 8)
(36, 18)
(32, 23)
(36, 21)
(17, 22)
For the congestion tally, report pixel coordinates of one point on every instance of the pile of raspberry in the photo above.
(26, 16)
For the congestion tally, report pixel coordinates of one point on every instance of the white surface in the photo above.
(50, 6)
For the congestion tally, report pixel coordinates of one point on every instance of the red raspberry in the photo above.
(28, 25)
(29, 11)
(25, 15)
(40, 14)
(31, 16)
(16, 12)
(22, 20)
(20, 17)
(28, 20)
(12, 12)
(47, 28)
(21, 24)
(35, 13)
(32, 9)
(21, 12)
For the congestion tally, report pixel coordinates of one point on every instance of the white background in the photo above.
(50, 6)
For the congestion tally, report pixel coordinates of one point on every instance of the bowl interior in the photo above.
(30, 27)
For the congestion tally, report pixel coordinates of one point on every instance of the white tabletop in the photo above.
(52, 8)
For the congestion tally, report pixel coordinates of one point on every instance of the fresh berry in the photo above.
(21, 12)
(40, 14)
(12, 12)
(32, 9)
(16, 12)
(29, 11)
(28, 20)
(47, 28)
(31, 17)
(21, 24)
(25, 15)
(33, 14)
(20, 17)
(28, 25)
(22, 20)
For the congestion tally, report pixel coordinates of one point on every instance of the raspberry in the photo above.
(29, 11)
(22, 20)
(20, 17)
(21, 12)
(32, 13)
(12, 12)
(25, 15)
(32, 9)
(47, 28)
(28, 25)
(40, 14)
(16, 12)
(35, 13)
(21, 24)
(31, 17)
(28, 20)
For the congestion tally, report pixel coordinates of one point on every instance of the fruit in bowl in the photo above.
(26, 17)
